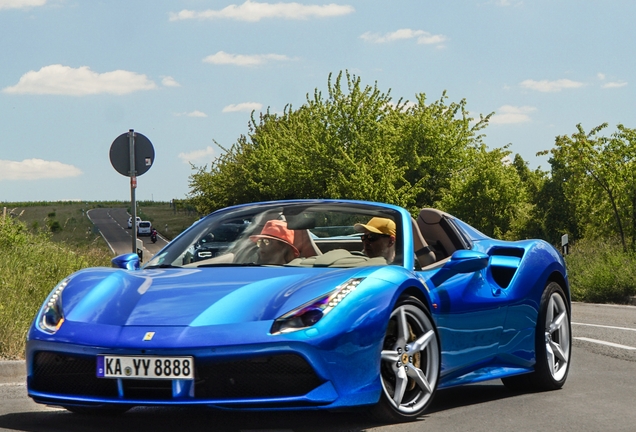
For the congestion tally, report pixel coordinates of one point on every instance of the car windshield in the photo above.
(294, 234)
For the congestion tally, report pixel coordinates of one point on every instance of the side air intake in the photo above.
(504, 263)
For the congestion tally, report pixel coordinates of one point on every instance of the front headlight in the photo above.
(51, 315)
(313, 311)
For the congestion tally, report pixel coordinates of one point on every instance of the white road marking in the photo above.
(100, 232)
(600, 342)
(604, 326)
(13, 384)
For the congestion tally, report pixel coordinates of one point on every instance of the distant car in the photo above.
(144, 228)
(204, 323)
(130, 222)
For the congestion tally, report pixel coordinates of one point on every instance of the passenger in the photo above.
(378, 238)
(275, 243)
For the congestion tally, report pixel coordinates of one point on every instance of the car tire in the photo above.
(553, 345)
(409, 363)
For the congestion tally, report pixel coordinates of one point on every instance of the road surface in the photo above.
(113, 225)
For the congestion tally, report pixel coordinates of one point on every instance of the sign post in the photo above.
(132, 154)
(133, 185)
(564, 244)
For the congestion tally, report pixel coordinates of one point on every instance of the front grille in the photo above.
(69, 374)
(147, 389)
(272, 376)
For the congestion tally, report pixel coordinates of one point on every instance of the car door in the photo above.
(469, 313)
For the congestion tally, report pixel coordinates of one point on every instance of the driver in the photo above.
(275, 243)
(378, 238)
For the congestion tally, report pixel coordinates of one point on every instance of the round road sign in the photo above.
(120, 154)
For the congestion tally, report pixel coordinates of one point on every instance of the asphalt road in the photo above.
(113, 225)
(598, 396)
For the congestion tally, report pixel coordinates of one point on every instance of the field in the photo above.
(67, 223)
(46, 242)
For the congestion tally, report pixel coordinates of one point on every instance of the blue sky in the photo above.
(76, 74)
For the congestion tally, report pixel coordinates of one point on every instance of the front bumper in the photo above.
(274, 376)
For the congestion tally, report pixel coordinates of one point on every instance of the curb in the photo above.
(12, 371)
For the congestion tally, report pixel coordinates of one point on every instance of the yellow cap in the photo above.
(377, 225)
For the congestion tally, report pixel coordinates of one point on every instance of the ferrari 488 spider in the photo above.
(306, 304)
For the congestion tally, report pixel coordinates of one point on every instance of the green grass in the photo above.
(42, 242)
(30, 266)
(165, 218)
(600, 272)
(67, 221)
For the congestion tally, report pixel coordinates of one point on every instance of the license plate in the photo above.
(145, 367)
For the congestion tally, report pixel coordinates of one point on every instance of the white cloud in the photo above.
(36, 169)
(64, 80)
(197, 155)
(611, 84)
(20, 4)
(504, 3)
(614, 84)
(245, 106)
(423, 37)
(194, 113)
(223, 58)
(168, 81)
(255, 11)
(550, 86)
(509, 114)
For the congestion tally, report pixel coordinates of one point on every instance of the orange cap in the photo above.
(277, 230)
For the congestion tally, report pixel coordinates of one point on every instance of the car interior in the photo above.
(435, 238)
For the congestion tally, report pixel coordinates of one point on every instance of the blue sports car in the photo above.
(306, 304)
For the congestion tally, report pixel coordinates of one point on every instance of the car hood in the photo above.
(196, 297)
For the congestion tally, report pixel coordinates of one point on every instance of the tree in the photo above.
(353, 143)
(554, 208)
(337, 147)
(435, 142)
(487, 193)
(601, 179)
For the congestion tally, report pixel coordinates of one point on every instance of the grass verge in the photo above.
(30, 266)
(600, 272)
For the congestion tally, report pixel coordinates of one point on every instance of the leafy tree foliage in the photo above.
(487, 193)
(352, 143)
(599, 181)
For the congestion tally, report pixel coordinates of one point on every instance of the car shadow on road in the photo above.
(466, 395)
(203, 419)
(178, 419)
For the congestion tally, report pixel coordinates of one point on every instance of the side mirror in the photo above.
(128, 261)
(462, 261)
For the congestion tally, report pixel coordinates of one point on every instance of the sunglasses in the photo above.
(373, 237)
(264, 242)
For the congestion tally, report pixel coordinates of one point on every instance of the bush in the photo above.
(600, 272)
(55, 226)
(30, 266)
